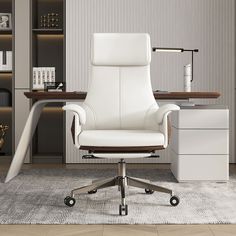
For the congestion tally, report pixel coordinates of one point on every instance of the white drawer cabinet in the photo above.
(200, 143)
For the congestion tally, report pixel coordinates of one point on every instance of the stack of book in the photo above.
(42, 75)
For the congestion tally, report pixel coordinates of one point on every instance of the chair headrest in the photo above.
(120, 49)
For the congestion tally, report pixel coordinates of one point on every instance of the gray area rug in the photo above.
(37, 197)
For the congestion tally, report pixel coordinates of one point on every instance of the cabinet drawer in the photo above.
(200, 141)
(201, 118)
(200, 167)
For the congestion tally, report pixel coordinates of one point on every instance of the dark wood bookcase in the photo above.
(7, 81)
(47, 50)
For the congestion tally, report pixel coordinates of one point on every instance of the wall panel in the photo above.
(205, 24)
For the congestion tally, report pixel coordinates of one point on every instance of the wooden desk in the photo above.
(43, 98)
(157, 95)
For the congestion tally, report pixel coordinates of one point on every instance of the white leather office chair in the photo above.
(120, 117)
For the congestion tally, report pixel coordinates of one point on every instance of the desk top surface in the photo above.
(157, 95)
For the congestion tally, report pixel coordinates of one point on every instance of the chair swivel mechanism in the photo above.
(120, 117)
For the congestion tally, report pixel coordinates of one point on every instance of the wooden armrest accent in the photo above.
(72, 129)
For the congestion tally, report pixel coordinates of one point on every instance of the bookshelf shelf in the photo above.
(47, 50)
(48, 31)
(6, 82)
(6, 72)
(6, 32)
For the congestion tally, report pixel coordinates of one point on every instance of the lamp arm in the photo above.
(161, 49)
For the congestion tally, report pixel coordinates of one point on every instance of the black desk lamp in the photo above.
(156, 49)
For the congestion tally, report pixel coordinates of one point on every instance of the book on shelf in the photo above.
(5, 60)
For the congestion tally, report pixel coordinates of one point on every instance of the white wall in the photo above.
(205, 24)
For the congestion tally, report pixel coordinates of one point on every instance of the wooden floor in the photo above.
(117, 230)
(114, 230)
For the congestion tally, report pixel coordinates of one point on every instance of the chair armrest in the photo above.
(162, 119)
(164, 110)
(78, 110)
(78, 120)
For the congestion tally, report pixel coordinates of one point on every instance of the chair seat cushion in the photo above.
(120, 138)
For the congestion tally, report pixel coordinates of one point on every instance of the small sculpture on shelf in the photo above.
(3, 129)
(5, 21)
(49, 21)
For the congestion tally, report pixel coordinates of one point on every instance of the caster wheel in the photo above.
(92, 191)
(123, 210)
(174, 200)
(148, 191)
(69, 201)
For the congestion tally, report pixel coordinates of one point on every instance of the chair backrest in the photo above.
(120, 95)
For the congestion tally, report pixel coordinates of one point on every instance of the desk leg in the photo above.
(25, 139)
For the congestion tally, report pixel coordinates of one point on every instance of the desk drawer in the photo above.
(201, 118)
(200, 141)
